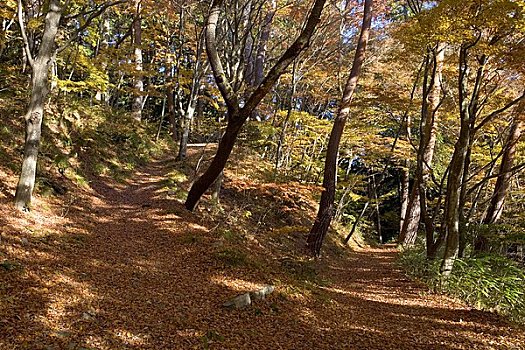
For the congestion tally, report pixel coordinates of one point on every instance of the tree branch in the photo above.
(24, 34)
(93, 14)
(230, 98)
(489, 117)
(300, 44)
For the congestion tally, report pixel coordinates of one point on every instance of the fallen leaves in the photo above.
(124, 275)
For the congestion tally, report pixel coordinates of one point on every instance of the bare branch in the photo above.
(93, 14)
(24, 34)
(489, 117)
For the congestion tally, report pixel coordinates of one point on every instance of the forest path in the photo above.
(137, 271)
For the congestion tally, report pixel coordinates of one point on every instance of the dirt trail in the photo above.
(141, 275)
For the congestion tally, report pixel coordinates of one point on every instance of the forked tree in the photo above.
(238, 114)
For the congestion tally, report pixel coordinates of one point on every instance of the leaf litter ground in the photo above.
(124, 266)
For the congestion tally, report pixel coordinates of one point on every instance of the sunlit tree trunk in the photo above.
(497, 201)
(505, 174)
(40, 66)
(188, 112)
(237, 116)
(427, 143)
(326, 206)
(138, 99)
(455, 176)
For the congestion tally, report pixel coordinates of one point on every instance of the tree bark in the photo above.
(237, 116)
(260, 58)
(404, 193)
(455, 176)
(189, 111)
(216, 167)
(138, 99)
(35, 112)
(284, 127)
(503, 181)
(427, 143)
(326, 206)
(497, 201)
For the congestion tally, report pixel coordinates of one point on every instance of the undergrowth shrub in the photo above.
(490, 282)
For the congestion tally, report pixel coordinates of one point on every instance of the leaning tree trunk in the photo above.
(216, 167)
(497, 201)
(237, 116)
(35, 113)
(505, 174)
(326, 205)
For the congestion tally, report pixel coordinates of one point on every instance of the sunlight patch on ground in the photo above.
(198, 227)
(235, 284)
(130, 338)
(72, 301)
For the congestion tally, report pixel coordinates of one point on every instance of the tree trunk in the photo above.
(172, 114)
(404, 193)
(455, 176)
(186, 123)
(282, 135)
(189, 112)
(427, 143)
(263, 40)
(217, 165)
(35, 112)
(497, 201)
(136, 108)
(237, 116)
(326, 205)
(354, 226)
(503, 181)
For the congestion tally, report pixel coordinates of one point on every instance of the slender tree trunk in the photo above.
(503, 181)
(497, 201)
(263, 41)
(189, 112)
(354, 226)
(326, 206)
(378, 213)
(284, 127)
(431, 102)
(455, 176)
(186, 123)
(161, 121)
(136, 108)
(404, 193)
(35, 112)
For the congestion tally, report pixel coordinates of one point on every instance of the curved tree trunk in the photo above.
(217, 165)
(238, 116)
(35, 112)
(326, 205)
